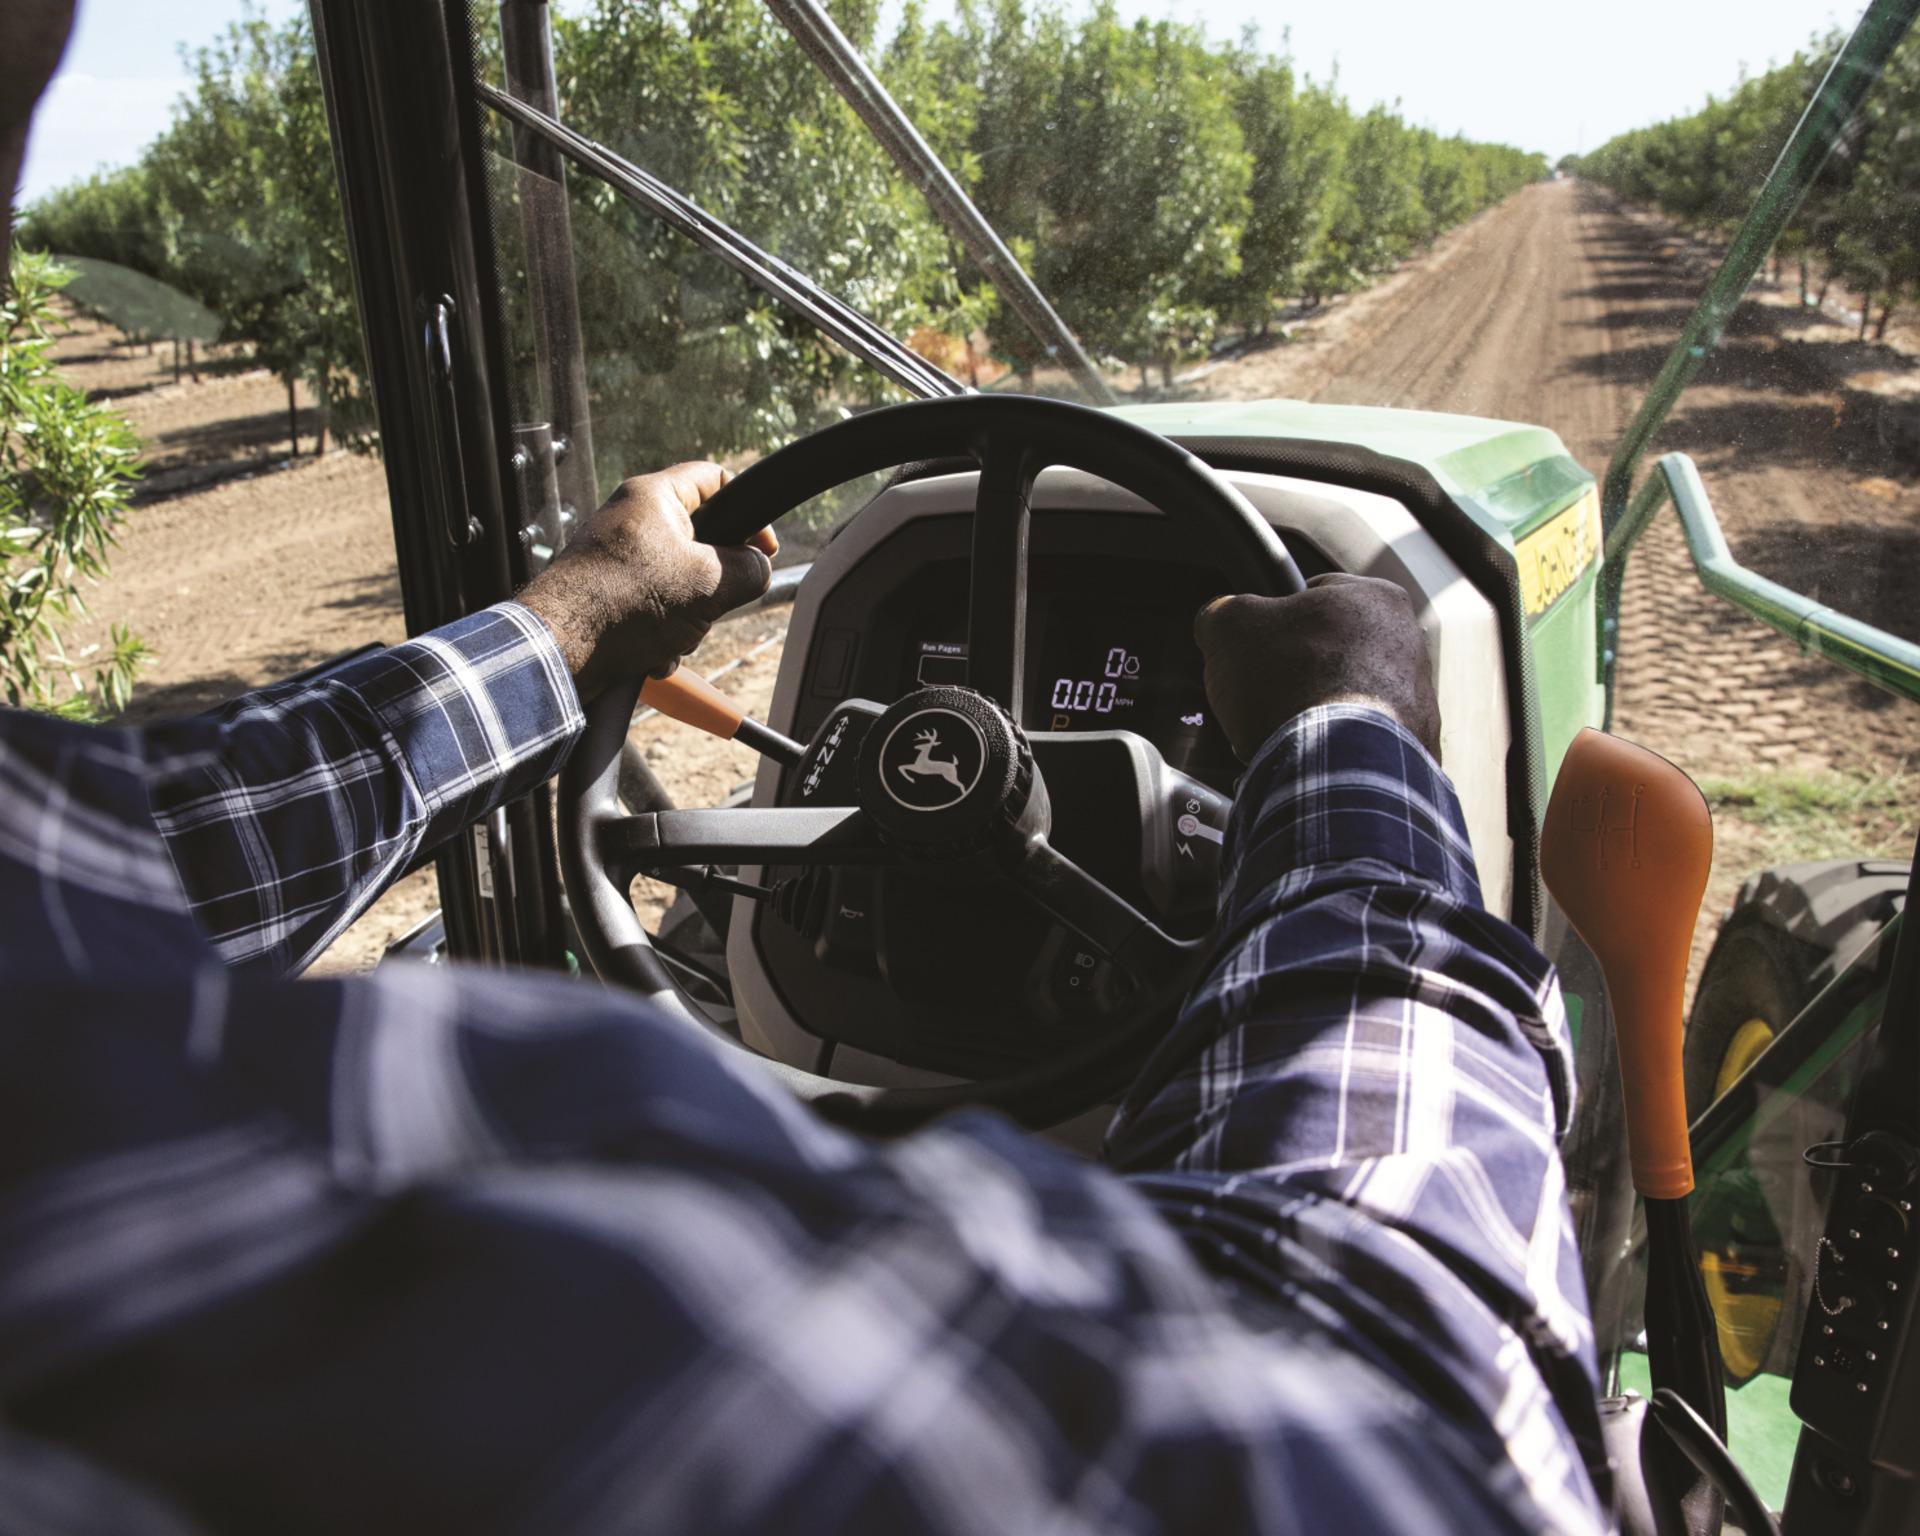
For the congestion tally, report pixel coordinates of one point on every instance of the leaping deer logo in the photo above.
(926, 765)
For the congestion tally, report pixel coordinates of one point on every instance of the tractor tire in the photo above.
(1756, 980)
(1791, 931)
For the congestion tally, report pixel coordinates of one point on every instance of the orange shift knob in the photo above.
(1626, 848)
(692, 700)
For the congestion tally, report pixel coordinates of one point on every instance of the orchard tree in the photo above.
(717, 100)
(1148, 221)
(1294, 143)
(1377, 214)
(254, 220)
(66, 472)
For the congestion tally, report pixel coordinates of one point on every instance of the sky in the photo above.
(1537, 73)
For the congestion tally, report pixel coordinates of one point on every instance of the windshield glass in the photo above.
(1214, 219)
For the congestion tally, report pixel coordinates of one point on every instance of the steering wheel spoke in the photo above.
(745, 835)
(1111, 924)
(997, 597)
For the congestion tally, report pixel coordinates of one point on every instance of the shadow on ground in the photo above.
(1867, 571)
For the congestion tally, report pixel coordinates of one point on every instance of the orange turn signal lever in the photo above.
(1625, 851)
(692, 700)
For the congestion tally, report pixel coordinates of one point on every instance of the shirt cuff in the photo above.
(482, 710)
(1345, 784)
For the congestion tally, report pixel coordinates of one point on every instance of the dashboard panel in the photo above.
(1111, 603)
(1111, 649)
(1113, 587)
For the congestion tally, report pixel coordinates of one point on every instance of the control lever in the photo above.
(1625, 850)
(692, 700)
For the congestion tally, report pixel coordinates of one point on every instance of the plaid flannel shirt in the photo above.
(462, 1251)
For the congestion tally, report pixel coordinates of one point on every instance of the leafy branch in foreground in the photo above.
(67, 467)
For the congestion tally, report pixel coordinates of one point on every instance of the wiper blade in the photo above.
(831, 315)
(823, 42)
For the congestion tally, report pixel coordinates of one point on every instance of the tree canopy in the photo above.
(1161, 185)
(1860, 223)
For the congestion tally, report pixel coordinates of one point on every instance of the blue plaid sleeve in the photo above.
(1361, 1101)
(445, 1249)
(289, 810)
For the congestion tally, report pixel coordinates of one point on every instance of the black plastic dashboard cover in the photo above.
(1482, 559)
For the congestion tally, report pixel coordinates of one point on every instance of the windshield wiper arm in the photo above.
(772, 276)
(823, 42)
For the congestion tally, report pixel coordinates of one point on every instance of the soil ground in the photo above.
(1556, 307)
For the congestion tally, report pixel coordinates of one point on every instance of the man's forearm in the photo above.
(1361, 1097)
(288, 811)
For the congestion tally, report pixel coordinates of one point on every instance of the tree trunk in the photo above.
(1804, 279)
(1886, 314)
(176, 359)
(1166, 371)
(193, 363)
(320, 438)
(1866, 303)
(293, 421)
(1820, 298)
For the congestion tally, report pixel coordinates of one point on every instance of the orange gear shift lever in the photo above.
(692, 700)
(1625, 850)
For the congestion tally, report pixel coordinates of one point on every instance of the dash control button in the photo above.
(1080, 982)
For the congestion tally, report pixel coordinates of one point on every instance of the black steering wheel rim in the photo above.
(1012, 438)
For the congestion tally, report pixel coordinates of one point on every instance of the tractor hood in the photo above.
(1509, 476)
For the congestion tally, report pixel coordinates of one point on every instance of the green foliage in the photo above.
(1798, 816)
(66, 471)
(1160, 186)
(1860, 223)
(1295, 140)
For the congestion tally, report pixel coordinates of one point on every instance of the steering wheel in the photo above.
(983, 804)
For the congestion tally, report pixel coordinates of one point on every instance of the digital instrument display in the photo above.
(1100, 678)
(1104, 666)
(1095, 665)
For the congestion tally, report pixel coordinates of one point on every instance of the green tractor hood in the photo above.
(1509, 476)
(1523, 490)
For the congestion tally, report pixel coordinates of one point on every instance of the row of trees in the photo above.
(1161, 185)
(234, 209)
(1860, 223)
